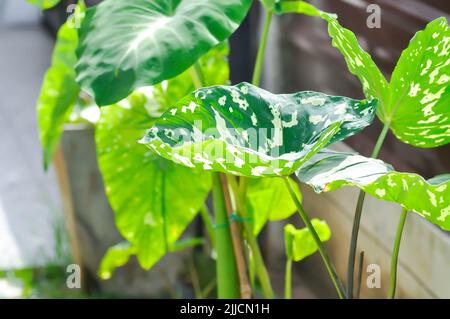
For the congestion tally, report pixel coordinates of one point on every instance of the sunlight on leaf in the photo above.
(245, 130)
(330, 170)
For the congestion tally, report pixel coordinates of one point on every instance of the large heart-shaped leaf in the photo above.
(59, 90)
(328, 170)
(154, 199)
(44, 4)
(269, 200)
(300, 243)
(245, 130)
(415, 103)
(127, 44)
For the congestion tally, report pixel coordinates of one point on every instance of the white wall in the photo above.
(18, 12)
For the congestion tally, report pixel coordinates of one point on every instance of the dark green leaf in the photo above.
(329, 170)
(125, 45)
(244, 130)
(59, 90)
(300, 243)
(268, 199)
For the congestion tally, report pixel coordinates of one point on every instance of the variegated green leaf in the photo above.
(59, 90)
(300, 243)
(268, 199)
(127, 44)
(415, 102)
(245, 130)
(327, 171)
(418, 108)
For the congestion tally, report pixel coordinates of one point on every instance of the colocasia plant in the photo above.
(173, 130)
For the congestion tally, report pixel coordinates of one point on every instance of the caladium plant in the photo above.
(160, 70)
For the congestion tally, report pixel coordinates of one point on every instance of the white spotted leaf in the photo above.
(299, 243)
(328, 170)
(127, 44)
(415, 102)
(245, 130)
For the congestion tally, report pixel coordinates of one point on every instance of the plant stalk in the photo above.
(261, 269)
(395, 252)
(206, 217)
(261, 50)
(326, 259)
(357, 218)
(227, 274)
(288, 279)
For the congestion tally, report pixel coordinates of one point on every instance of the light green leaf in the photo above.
(300, 7)
(300, 243)
(59, 91)
(420, 92)
(268, 199)
(144, 189)
(245, 130)
(414, 104)
(329, 170)
(44, 4)
(129, 44)
(154, 199)
(116, 256)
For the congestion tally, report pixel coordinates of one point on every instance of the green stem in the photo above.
(288, 279)
(227, 275)
(261, 51)
(326, 259)
(357, 218)
(261, 269)
(206, 217)
(395, 252)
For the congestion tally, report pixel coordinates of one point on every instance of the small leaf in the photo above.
(300, 243)
(329, 170)
(300, 7)
(129, 44)
(268, 199)
(116, 256)
(44, 4)
(420, 89)
(59, 91)
(244, 130)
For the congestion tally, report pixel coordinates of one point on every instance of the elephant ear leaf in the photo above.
(59, 90)
(300, 243)
(150, 196)
(244, 130)
(129, 44)
(420, 91)
(328, 170)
